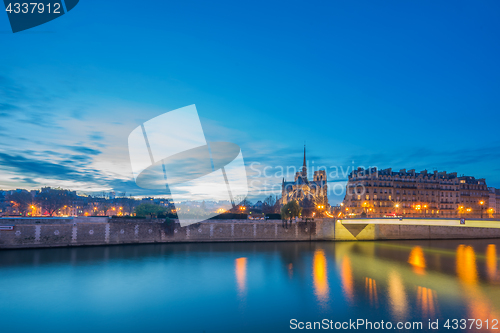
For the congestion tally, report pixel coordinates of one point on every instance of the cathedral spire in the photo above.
(304, 167)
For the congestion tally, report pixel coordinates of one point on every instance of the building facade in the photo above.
(374, 192)
(300, 189)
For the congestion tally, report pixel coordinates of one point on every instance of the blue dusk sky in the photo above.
(401, 84)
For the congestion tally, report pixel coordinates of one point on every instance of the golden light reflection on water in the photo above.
(320, 276)
(466, 264)
(397, 295)
(426, 281)
(347, 279)
(241, 275)
(479, 305)
(427, 301)
(371, 290)
(491, 262)
(417, 260)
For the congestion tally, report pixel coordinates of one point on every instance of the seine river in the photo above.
(249, 287)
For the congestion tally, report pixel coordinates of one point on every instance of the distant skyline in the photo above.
(386, 84)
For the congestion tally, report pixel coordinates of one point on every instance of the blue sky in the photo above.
(389, 83)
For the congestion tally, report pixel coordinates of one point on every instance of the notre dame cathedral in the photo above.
(307, 193)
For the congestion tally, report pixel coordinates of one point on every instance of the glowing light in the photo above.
(397, 295)
(427, 301)
(466, 264)
(241, 274)
(347, 279)
(320, 278)
(417, 260)
(491, 261)
(371, 290)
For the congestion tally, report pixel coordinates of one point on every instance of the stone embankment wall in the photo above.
(28, 233)
(75, 232)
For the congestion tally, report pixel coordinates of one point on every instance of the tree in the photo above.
(241, 200)
(291, 210)
(308, 206)
(22, 201)
(270, 205)
(129, 204)
(105, 206)
(147, 209)
(53, 199)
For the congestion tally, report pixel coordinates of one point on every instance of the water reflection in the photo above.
(290, 270)
(427, 302)
(396, 280)
(466, 264)
(417, 260)
(371, 291)
(347, 279)
(491, 262)
(397, 295)
(320, 277)
(241, 275)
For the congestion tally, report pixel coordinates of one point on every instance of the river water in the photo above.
(250, 287)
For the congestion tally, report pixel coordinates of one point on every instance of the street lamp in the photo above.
(481, 203)
(397, 208)
(364, 206)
